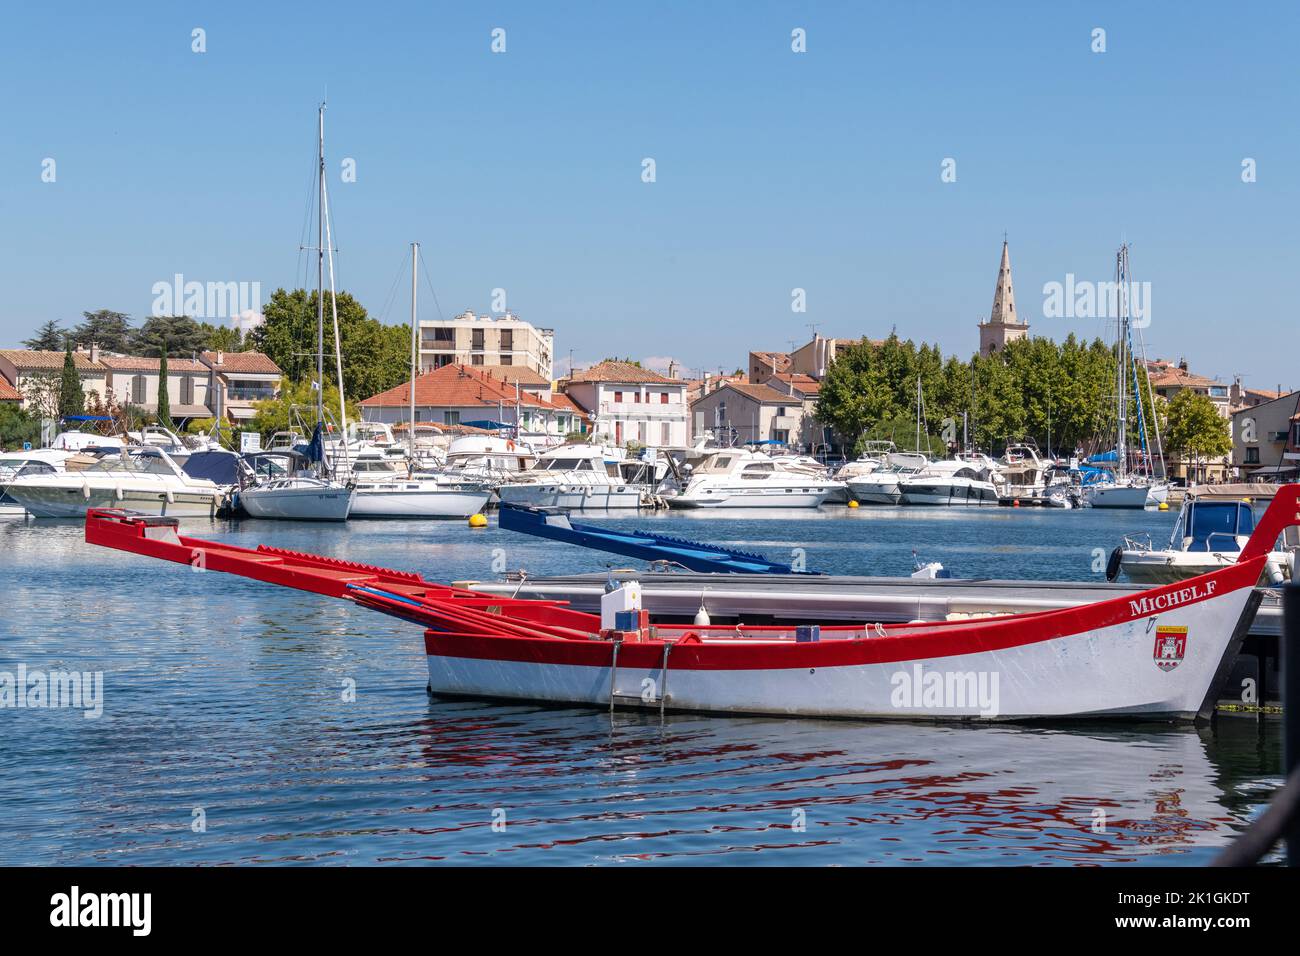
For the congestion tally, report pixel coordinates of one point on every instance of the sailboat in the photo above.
(391, 494)
(1128, 487)
(308, 493)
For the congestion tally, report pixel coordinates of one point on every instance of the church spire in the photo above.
(1004, 324)
(1004, 299)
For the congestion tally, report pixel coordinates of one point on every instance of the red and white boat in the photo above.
(1158, 654)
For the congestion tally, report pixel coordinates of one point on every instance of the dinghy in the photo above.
(1158, 654)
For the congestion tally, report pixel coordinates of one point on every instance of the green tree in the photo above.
(221, 338)
(17, 425)
(178, 335)
(72, 400)
(376, 357)
(110, 330)
(164, 399)
(295, 408)
(48, 338)
(1195, 429)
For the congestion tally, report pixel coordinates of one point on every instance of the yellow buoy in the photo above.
(1164, 506)
(852, 503)
(478, 521)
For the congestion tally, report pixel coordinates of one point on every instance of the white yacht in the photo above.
(1213, 526)
(970, 479)
(572, 476)
(881, 485)
(384, 489)
(484, 459)
(1133, 491)
(144, 480)
(734, 478)
(21, 464)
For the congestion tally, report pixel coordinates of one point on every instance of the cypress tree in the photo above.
(72, 400)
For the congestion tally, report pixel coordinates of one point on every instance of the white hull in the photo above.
(1126, 496)
(875, 492)
(56, 502)
(948, 494)
(596, 497)
(428, 502)
(750, 497)
(1109, 672)
(297, 504)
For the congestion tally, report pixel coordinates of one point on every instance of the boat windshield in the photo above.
(19, 467)
(564, 464)
(132, 464)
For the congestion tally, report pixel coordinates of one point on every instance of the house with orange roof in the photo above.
(458, 394)
(628, 404)
(33, 371)
(136, 381)
(8, 393)
(237, 381)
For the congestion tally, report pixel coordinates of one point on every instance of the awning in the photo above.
(1275, 470)
(241, 412)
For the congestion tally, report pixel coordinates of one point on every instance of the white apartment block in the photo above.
(486, 340)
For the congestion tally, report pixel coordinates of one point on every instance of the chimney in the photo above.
(1182, 364)
(221, 357)
(94, 352)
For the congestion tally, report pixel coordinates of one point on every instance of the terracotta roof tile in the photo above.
(621, 372)
(765, 394)
(464, 386)
(8, 393)
(33, 359)
(136, 363)
(250, 363)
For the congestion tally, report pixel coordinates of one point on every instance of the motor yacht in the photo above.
(734, 478)
(145, 480)
(969, 479)
(385, 489)
(572, 476)
(1213, 526)
(881, 485)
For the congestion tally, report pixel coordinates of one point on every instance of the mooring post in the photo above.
(1290, 652)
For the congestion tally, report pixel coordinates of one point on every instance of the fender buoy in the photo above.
(1112, 565)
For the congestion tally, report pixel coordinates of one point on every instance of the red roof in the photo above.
(619, 372)
(135, 363)
(8, 393)
(464, 386)
(247, 363)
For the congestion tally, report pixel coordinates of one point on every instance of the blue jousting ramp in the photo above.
(555, 524)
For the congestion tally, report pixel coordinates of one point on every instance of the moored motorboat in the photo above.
(1160, 654)
(145, 480)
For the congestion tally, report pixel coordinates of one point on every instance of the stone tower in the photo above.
(1004, 324)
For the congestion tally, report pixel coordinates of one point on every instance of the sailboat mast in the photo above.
(415, 260)
(320, 269)
(1121, 299)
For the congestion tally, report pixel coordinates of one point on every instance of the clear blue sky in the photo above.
(774, 170)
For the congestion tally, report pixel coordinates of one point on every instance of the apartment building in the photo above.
(487, 340)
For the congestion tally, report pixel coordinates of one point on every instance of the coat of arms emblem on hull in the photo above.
(1171, 645)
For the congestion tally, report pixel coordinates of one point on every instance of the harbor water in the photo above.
(245, 723)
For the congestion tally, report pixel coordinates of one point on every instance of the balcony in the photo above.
(249, 394)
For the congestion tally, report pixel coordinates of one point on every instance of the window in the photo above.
(507, 358)
(1252, 456)
(137, 389)
(636, 397)
(476, 339)
(663, 398)
(187, 390)
(476, 359)
(451, 417)
(507, 341)
(665, 433)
